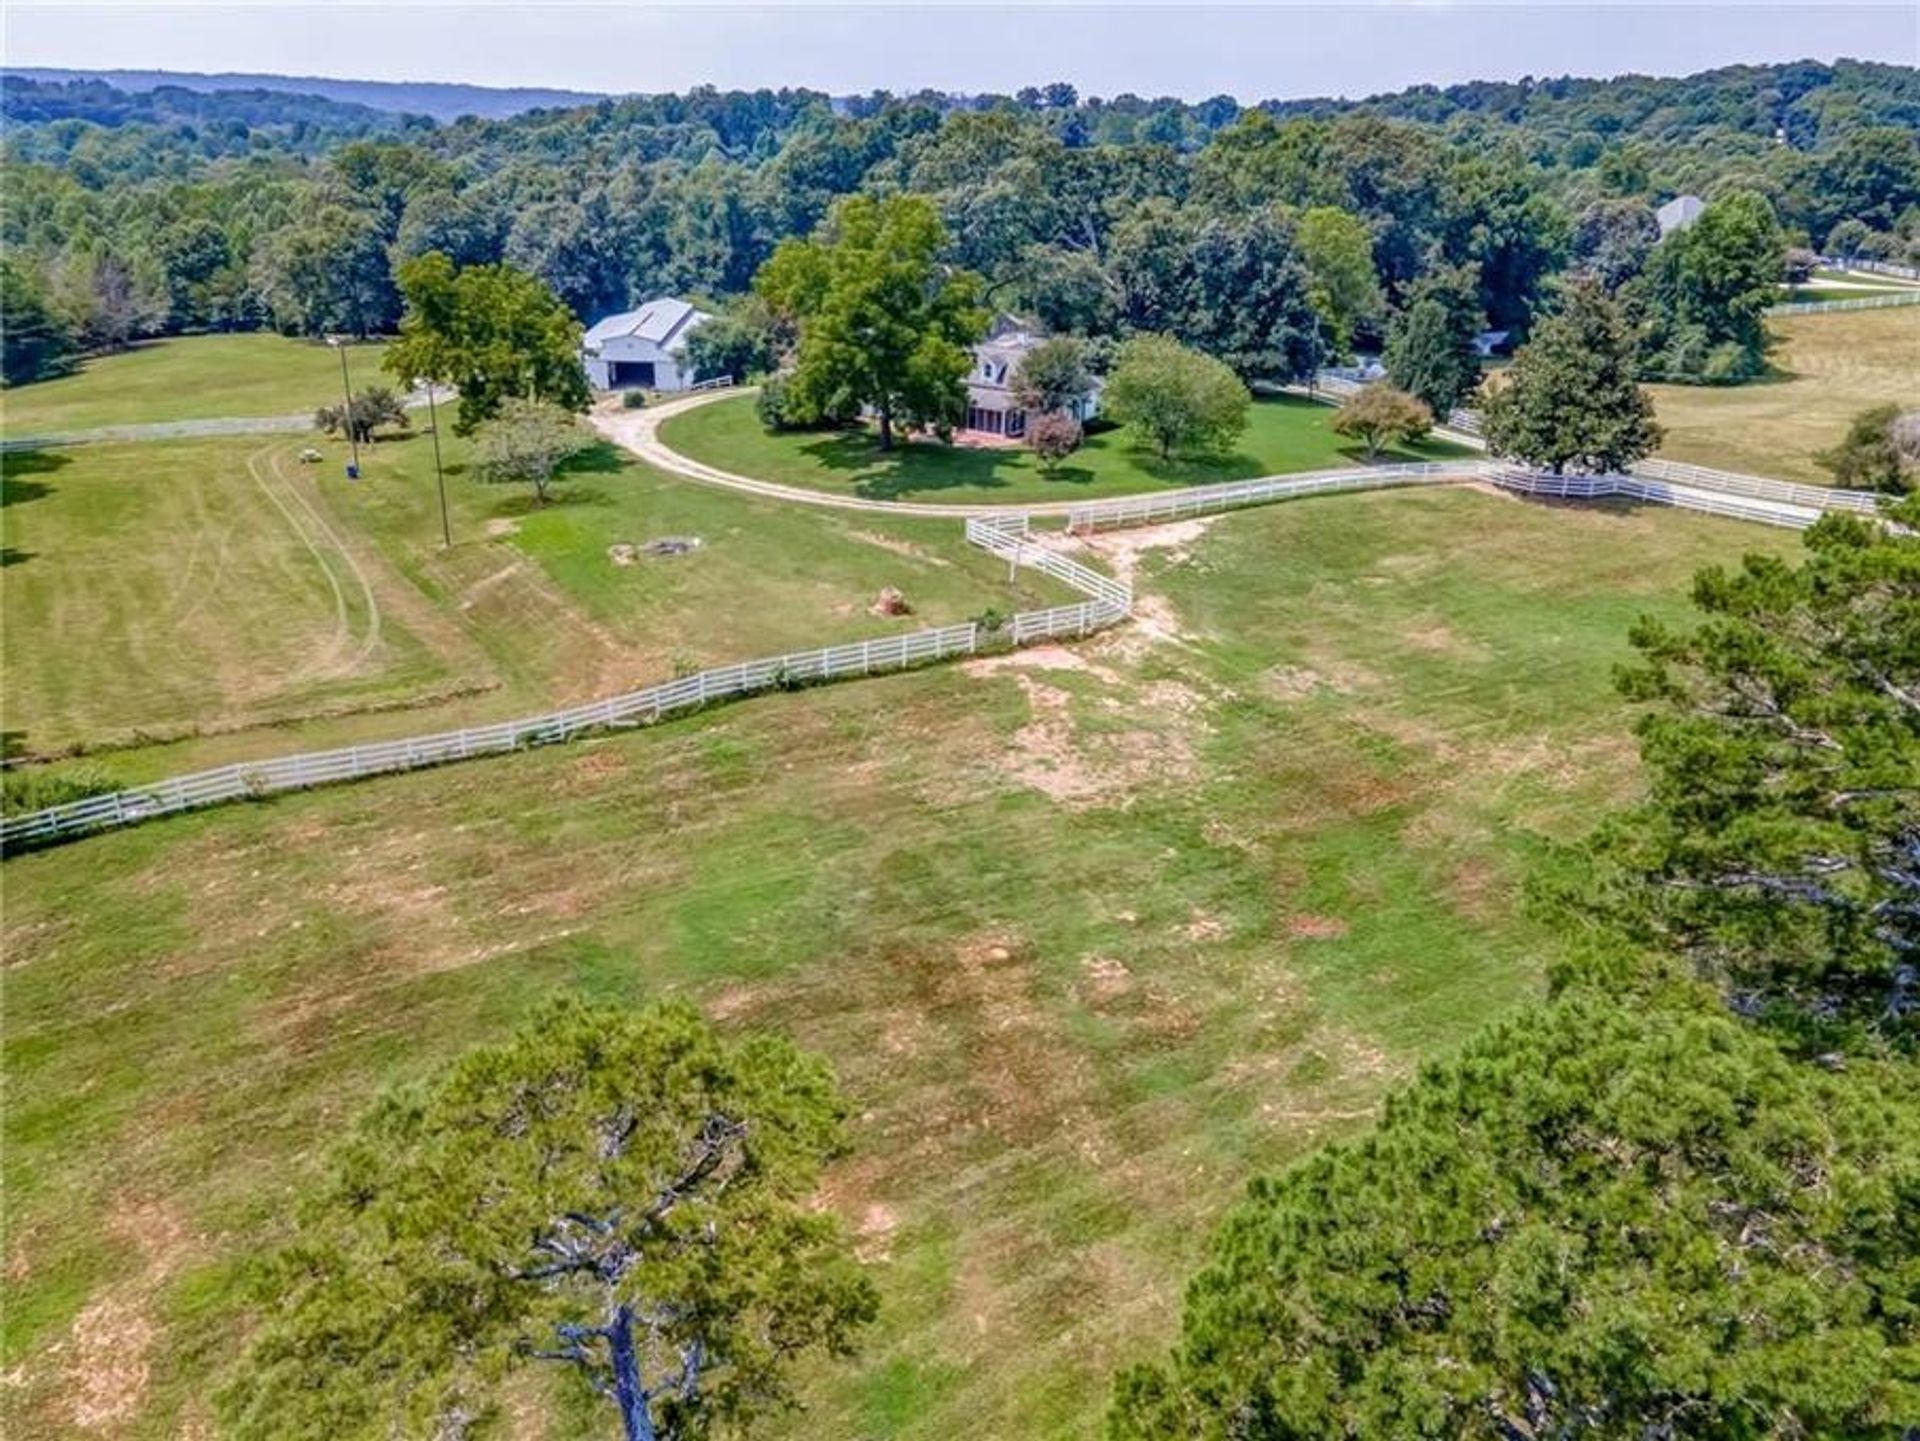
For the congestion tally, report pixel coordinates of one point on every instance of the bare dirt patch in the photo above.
(108, 1351)
(1122, 550)
(109, 1368)
(1316, 928)
(898, 547)
(1106, 980)
(1040, 657)
(1083, 768)
(1203, 926)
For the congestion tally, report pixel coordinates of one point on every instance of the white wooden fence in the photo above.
(1885, 267)
(1230, 495)
(1756, 487)
(1819, 497)
(1008, 536)
(1866, 302)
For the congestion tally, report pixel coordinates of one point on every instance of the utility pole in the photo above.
(439, 475)
(346, 389)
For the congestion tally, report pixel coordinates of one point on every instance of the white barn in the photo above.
(645, 347)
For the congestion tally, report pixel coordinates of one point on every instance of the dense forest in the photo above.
(169, 211)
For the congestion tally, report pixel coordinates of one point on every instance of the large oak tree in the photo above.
(884, 324)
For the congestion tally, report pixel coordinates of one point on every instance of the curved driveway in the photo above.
(638, 431)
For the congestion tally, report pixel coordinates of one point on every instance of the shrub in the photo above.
(34, 788)
(1729, 363)
(1053, 436)
(1380, 415)
(774, 402)
(1870, 455)
(633, 399)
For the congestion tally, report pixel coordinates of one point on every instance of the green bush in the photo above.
(633, 399)
(774, 404)
(1728, 363)
(34, 788)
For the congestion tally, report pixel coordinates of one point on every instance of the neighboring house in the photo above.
(645, 347)
(1489, 343)
(990, 405)
(1678, 213)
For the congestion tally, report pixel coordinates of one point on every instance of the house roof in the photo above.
(664, 322)
(1679, 212)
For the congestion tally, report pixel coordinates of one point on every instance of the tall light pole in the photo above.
(439, 475)
(346, 388)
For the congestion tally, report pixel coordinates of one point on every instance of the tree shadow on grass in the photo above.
(17, 467)
(13, 555)
(604, 458)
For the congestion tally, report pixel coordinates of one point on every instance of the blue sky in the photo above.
(1250, 51)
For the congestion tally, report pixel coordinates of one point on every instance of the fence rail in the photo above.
(1884, 267)
(718, 382)
(1820, 497)
(1229, 495)
(1865, 302)
(1756, 487)
(1634, 487)
(1007, 535)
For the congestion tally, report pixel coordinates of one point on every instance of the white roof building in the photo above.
(990, 404)
(1678, 213)
(643, 347)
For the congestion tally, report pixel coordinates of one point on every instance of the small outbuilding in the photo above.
(646, 347)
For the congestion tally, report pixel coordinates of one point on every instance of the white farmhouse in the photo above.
(991, 409)
(645, 347)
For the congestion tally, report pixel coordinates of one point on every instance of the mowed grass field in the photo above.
(196, 590)
(201, 377)
(1284, 433)
(1827, 368)
(1092, 936)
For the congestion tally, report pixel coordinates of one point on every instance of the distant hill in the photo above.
(31, 100)
(441, 100)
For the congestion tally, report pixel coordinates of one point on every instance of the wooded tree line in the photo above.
(1099, 217)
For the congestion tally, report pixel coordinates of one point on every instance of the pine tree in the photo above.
(1430, 350)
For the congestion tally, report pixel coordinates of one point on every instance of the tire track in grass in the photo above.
(371, 640)
(265, 476)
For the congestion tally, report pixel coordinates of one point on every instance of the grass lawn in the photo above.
(1827, 368)
(198, 590)
(196, 377)
(1284, 433)
(1091, 936)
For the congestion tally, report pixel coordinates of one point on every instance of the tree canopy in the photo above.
(1775, 850)
(1870, 455)
(1430, 350)
(493, 331)
(623, 1193)
(1571, 397)
(1379, 415)
(1175, 398)
(526, 442)
(883, 325)
(1602, 1219)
